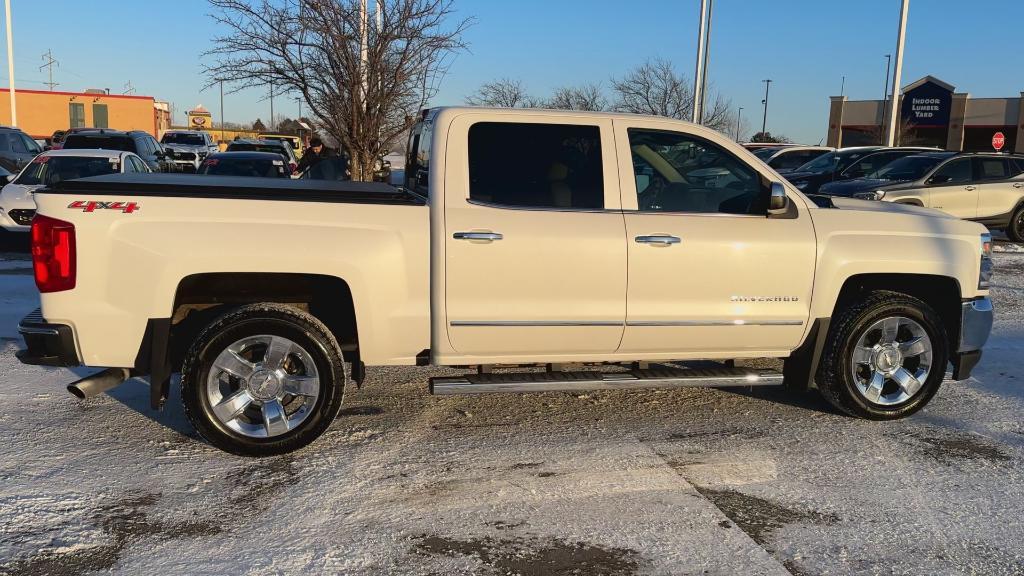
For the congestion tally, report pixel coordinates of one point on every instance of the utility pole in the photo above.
(890, 138)
(49, 62)
(10, 64)
(222, 110)
(699, 72)
(764, 119)
(885, 93)
(842, 87)
(271, 127)
(739, 120)
(128, 88)
(707, 58)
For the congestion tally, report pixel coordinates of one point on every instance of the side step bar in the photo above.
(662, 377)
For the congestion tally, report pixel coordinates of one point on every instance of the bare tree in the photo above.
(363, 100)
(585, 97)
(502, 93)
(656, 88)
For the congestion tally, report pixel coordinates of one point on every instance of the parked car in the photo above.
(137, 141)
(265, 303)
(16, 149)
(752, 146)
(789, 158)
(17, 201)
(984, 187)
(276, 146)
(846, 164)
(189, 147)
(294, 141)
(257, 164)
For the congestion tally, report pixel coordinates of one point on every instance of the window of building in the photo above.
(536, 165)
(76, 111)
(678, 172)
(99, 116)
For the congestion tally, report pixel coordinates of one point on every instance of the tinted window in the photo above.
(18, 144)
(871, 163)
(953, 172)
(251, 147)
(536, 165)
(140, 166)
(906, 168)
(256, 167)
(5, 142)
(52, 169)
(417, 162)
(1016, 166)
(32, 145)
(105, 141)
(794, 159)
(680, 173)
(993, 168)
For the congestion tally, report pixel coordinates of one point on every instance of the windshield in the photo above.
(48, 170)
(182, 138)
(94, 141)
(906, 168)
(250, 147)
(833, 161)
(257, 167)
(765, 153)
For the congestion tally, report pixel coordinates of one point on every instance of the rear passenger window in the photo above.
(536, 165)
(993, 168)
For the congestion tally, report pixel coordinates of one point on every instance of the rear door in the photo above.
(535, 256)
(709, 273)
(951, 188)
(997, 194)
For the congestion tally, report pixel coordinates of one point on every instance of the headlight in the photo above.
(876, 195)
(985, 274)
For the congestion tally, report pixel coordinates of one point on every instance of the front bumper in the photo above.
(8, 222)
(47, 344)
(976, 317)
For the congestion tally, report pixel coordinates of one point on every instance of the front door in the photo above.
(535, 254)
(952, 189)
(709, 273)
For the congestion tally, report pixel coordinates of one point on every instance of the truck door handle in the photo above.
(486, 236)
(658, 239)
(969, 188)
(1018, 185)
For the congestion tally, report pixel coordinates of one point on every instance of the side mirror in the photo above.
(778, 201)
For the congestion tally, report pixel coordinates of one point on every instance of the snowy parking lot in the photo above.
(675, 482)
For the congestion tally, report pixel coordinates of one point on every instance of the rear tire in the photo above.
(1015, 229)
(263, 379)
(884, 358)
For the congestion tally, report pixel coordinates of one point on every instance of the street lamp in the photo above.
(739, 119)
(764, 119)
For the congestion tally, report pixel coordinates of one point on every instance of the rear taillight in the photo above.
(53, 254)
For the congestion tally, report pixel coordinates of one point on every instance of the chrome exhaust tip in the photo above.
(98, 383)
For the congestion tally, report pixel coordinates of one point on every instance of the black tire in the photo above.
(835, 378)
(263, 319)
(1015, 229)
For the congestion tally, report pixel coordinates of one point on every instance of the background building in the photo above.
(931, 113)
(41, 112)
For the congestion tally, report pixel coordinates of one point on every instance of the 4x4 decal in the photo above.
(93, 205)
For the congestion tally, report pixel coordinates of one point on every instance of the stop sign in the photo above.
(998, 140)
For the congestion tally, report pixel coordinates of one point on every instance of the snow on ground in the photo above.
(643, 482)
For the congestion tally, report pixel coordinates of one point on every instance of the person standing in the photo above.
(314, 154)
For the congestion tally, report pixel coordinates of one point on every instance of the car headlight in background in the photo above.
(876, 195)
(986, 268)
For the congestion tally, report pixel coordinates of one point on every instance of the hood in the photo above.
(18, 196)
(851, 187)
(841, 203)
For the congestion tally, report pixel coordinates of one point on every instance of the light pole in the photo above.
(707, 58)
(10, 64)
(739, 120)
(885, 93)
(222, 110)
(699, 72)
(897, 74)
(764, 119)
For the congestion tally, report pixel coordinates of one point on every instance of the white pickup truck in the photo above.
(569, 250)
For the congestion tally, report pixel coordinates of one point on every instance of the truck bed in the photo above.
(236, 187)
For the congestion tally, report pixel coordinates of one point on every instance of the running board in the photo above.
(663, 377)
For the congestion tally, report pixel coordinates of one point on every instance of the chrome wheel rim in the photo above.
(263, 386)
(892, 361)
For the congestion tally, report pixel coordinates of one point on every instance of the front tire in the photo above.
(263, 379)
(884, 358)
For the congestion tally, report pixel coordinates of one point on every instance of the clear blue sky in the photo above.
(805, 46)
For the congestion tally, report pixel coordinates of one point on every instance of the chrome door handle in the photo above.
(486, 236)
(1018, 185)
(969, 188)
(658, 240)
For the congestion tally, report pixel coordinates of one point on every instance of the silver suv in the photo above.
(189, 147)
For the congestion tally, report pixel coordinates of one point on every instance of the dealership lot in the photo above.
(653, 482)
